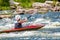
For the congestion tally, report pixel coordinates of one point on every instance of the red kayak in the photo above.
(30, 27)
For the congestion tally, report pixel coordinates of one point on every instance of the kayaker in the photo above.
(20, 18)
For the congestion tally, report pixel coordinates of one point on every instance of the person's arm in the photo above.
(17, 17)
(22, 21)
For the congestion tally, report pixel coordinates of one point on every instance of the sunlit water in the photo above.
(51, 30)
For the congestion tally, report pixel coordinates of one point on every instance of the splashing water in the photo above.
(50, 31)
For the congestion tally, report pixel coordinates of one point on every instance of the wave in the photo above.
(48, 24)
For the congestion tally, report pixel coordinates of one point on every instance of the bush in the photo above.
(5, 8)
(4, 4)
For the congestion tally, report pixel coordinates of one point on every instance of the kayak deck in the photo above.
(32, 27)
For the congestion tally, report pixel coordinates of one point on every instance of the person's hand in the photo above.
(22, 21)
(25, 20)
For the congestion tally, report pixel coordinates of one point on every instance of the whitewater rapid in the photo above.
(48, 25)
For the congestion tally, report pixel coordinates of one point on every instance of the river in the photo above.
(51, 31)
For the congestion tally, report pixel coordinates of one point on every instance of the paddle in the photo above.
(29, 17)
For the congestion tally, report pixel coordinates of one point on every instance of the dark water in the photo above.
(41, 34)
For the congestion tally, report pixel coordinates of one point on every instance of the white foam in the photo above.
(7, 27)
(52, 25)
(26, 33)
(41, 20)
(31, 33)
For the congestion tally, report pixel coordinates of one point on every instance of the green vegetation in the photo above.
(4, 4)
(28, 3)
(54, 2)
